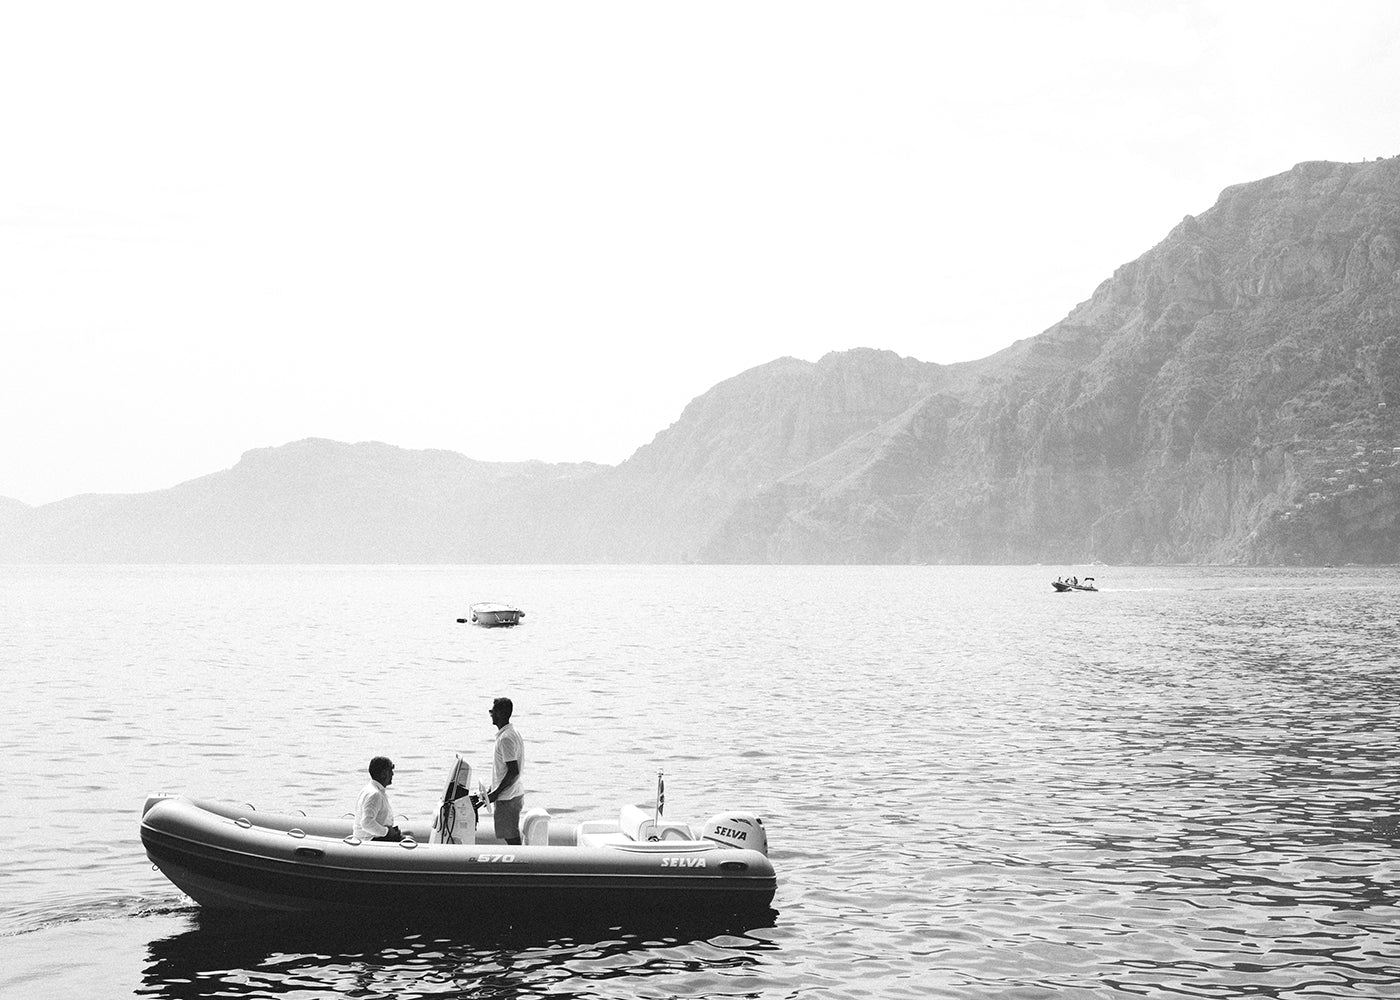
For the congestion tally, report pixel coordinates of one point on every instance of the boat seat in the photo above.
(639, 825)
(598, 833)
(534, 826)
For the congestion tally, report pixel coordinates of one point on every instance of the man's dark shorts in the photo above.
(507, 816)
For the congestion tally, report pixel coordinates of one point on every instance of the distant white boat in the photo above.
(490, 615)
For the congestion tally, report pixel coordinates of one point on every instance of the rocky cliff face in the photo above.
(668, 499)
(1228, 397)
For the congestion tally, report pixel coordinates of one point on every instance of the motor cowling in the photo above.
(734, 829)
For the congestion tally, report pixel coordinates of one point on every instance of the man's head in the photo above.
(381, 769)
(500, 711)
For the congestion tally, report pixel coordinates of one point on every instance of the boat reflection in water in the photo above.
(244, 954)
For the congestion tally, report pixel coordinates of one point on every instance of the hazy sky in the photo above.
(539, 230)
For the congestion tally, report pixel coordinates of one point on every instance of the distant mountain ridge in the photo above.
(1230, 396)
(309, 501)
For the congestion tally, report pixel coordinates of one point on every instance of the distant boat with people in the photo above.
(1064, 585)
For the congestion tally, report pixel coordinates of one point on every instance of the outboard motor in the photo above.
(455, 822)
(736, 830)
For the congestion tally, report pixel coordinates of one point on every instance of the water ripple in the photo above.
(1183, 785)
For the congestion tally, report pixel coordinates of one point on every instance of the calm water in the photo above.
(1184, 785)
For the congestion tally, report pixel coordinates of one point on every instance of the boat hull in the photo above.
(223, 864)
(495, 616)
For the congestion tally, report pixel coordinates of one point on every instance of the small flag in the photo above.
(660, 794)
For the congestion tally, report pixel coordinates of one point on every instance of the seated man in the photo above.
(374, 816)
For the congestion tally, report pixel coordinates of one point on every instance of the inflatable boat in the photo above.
(230, 856)
(1065, 586)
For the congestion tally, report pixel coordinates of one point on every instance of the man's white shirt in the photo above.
(373, 814)
(509, 746)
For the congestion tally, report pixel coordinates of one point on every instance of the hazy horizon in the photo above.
(536, 234)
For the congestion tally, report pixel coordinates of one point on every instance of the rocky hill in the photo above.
(1230, 396)
(666, 501)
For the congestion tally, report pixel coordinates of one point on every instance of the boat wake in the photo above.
(62, 912)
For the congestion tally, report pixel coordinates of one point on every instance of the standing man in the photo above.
(507, 773)
(374, 816)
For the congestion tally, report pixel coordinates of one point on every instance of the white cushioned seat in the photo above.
(534, 826)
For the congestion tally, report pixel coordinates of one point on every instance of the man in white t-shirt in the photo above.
(374, 816)
(507, 773)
